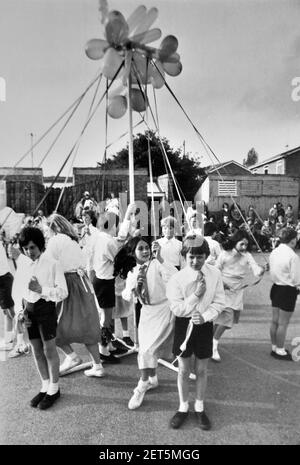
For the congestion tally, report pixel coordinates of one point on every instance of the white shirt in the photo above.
(214, 248)
(66, 251)
(183, 301)
(104, 251)
(158, 274)
(285, 266)
(170, 250)
(50, 277)
(4, 265)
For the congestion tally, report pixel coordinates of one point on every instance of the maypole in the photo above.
(127, 41)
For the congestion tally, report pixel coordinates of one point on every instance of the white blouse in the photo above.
(68, 252)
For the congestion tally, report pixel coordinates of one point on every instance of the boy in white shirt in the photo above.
(44, 285)
(285, 274)
(170, 246)
(6, 301)
(196, 297)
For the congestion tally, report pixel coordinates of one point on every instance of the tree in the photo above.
(252, 158)
(187, 171)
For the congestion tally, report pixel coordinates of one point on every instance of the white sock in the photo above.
(20, 339)
(153, 379)
(52, 389)
(8, 336)
(199, 407)
(183, 407)
(125, 333)
(215, 343)
(97, 366)
(45, 385)
(142, 385)
(281, 351)
(111, 348)
(103, 349)
(72, 355)
(274, 347)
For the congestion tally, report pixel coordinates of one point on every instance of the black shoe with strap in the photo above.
(37, 399)
(287, 357)
(109, 358)
(178, 419)
(203, 420)
(48, 400)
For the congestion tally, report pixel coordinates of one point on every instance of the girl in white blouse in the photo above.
(147, 275)
(78, 318)
(233, 262)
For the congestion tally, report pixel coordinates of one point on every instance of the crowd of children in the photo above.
(69, 287)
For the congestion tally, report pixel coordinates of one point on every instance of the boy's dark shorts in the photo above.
(284, 297)
(199, 343)
(44, 321)
(105, 292)
(6, 282)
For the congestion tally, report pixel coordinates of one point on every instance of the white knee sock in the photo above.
(45, 385)
(215, 343)
(153, 379)
(142, 385)
(52, 389)
(199, 405)
(20, 338)
(281, 351)
(183, 406)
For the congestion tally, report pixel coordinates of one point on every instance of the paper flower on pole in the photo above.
(127, 41)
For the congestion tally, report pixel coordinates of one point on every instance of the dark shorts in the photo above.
(6, 282)
(199, 343)
(105, 292)
(284, 297)
(43, 319)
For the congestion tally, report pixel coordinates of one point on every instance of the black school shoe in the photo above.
(109, 358)
(48, 400)
(203, 420)
(178, 419)
(37, 399)
(286, 357)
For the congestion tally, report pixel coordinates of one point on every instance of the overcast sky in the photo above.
(239, 58)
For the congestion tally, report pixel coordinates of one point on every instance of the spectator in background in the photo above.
(236, 214)
(251, 215)
(265, 236)
(273, 213)
(225, 210)
(280, 209)
(289, 213)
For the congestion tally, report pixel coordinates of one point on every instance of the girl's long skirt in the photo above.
(78, 317)
(155, 333)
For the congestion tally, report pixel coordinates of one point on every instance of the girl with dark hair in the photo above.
(233, 262)
(147, 275)
(44, 286)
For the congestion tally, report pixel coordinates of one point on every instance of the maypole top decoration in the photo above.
(127, 44)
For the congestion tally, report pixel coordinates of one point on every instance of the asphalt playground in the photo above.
(251, 399)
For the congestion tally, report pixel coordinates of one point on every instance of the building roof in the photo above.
(153, 187)
(213, 168)
(276, 157)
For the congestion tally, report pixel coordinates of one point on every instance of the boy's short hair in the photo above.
(195, 244)
(287, 235)
(33, 234)
(210, 229)
(169, 221)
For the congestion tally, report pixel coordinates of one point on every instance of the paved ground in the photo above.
(251, 397)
